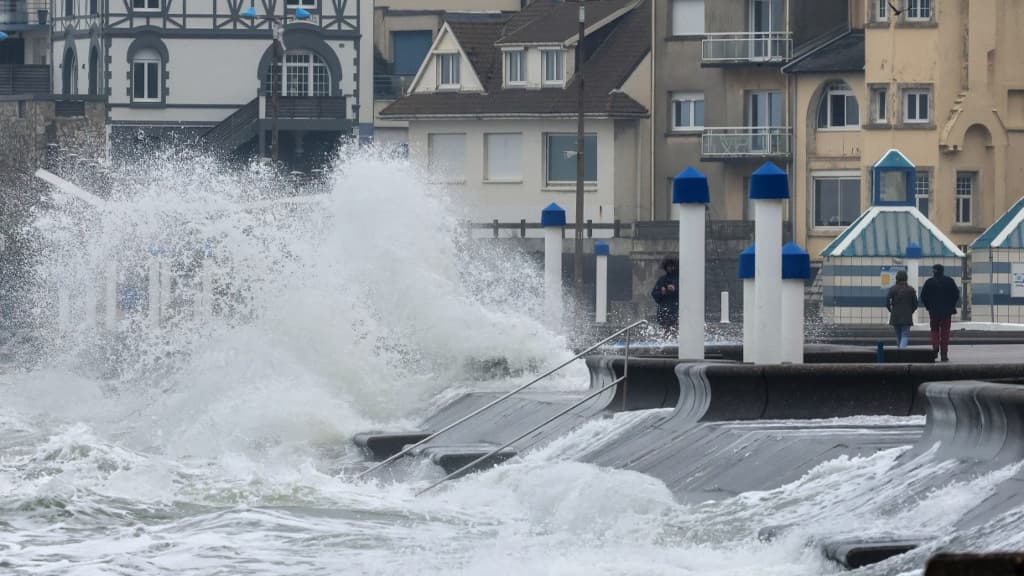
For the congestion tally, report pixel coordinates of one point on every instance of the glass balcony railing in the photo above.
(390, 86)
(746, 141)
(743, 47)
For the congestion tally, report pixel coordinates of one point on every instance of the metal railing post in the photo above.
(625, 372)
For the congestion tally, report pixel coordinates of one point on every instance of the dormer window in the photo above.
(448, 70)
(554, 67)
(515, 67)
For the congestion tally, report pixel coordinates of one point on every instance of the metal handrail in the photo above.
(412, 447)
(520, 437)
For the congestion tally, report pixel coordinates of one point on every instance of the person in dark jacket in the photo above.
(901, 301)
(940, 295)
(666, 294)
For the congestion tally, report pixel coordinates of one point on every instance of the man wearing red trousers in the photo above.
(940, 295)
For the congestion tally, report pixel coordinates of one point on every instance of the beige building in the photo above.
(403, 31)
(941, 82)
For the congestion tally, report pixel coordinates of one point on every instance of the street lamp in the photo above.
(277, 25)
(578, 245)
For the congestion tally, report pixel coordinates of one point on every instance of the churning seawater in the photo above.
(217, 440)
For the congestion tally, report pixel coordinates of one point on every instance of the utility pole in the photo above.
(578, 248)
(275, 90)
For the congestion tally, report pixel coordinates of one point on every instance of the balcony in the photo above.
(19, 79)
(19, 15)
(746, 142)
(733, 48)
(390, 86)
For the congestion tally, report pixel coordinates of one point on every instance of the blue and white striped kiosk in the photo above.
(860, 265)
(997, 270)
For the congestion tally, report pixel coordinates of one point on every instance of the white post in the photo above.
(913, 259)
(749, 319)
(690, 192)
(724, 308)
(154, 293)
(552, 219)
(768, 187)
(796, 269)
(601, 293)
(110, 297)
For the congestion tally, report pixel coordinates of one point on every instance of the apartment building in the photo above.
(937, 80)
(720, 100)
(403, 31)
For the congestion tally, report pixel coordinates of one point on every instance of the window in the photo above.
(447, 157)
(561, 158)
(146, 76)
(838, 109)
(687, 17)
(915, 106)
(515, 67)
(880, 105)
(923, 191)
(145, 4)
(687, 111)
(94, 7)
(69, 7)
(881, 11)
(448, 67)
(918, 9)
(306, 74)
(836, 200)
(554, 66)
(504, 157)
(965, 182)
(301, 3)
(409, 48)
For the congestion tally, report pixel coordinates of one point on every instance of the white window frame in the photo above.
(691, 124)
(433, 169)
(453, 62)
(313, 63)
(923, 192)
(545, 66)
(848, 94)
(832, 175)
(963, 199)
(508, 55)
(564, 183)
(917, 93)
(150, 6)
(880, 12)
(918, 10)
(487, 158)
(147, 63)
(691, 31)
(880, 105)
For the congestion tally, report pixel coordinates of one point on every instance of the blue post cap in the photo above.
(796, 262)
(3, 36)
(302, 14)
(601, 248)
(914, 251)
(249, 12)
(747, 263)
(553, 215)
(690, 187)
(769, 182)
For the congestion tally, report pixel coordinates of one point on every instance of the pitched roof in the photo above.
(551, 21)
(844, 53)
(887, 230)
(1006, 232)
(609, 66)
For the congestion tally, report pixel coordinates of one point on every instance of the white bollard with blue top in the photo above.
(746, 273)
(552, 219)
(769, 187)
(796, 269)
(601, 293)
(913, 259)
(690, 192)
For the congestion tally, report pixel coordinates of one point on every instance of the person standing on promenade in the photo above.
(901, 301)
(940, 295)
(666, 294)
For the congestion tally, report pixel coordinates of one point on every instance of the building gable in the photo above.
(426, 80)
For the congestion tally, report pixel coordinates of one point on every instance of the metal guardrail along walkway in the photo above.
(627, 330)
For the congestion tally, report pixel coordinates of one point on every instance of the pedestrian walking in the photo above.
(901, 301)
(940, 295)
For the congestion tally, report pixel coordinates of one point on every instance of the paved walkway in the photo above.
(986, 353)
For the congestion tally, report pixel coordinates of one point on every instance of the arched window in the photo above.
(146, 72)
(838, 108)
(306, 74)
(70, 72)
